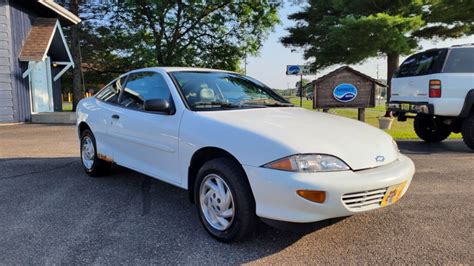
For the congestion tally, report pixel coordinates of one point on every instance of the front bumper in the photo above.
(276, 198)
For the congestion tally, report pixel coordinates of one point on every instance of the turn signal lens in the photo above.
(284, 164)
(312, 195)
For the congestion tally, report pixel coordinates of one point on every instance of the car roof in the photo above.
(184, 69)
(456, 46)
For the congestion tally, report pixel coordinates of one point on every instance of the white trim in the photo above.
(30, 87)
(58, 26)
(60, 11)
(28, 70)
(68, 65)
(50, 41)
(60, 63)
(50, 84)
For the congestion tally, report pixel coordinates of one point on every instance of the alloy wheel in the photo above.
(88, 152)
(217, 202)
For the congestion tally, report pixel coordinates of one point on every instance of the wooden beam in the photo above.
(62, 71)
(361, 114)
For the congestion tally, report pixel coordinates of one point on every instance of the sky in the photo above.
(269, 65)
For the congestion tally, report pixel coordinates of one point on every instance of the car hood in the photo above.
(358, 144)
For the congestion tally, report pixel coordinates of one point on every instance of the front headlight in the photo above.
(309, 163)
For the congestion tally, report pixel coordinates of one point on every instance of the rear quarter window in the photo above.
(424, 63)
(460, 60)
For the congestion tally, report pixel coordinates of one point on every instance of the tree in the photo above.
(350, 31)
(347, 31)
(76, 57)
(448, 19)
(130, 34)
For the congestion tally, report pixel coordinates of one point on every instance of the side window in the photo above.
(425, 63)
(460, 60)
(144, 86)
(111, 92)
(408, 67)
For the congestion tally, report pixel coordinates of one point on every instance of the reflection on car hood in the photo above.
(305, 131)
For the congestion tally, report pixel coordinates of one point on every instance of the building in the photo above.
(33, 56)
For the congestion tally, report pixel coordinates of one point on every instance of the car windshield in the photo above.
(223, 90)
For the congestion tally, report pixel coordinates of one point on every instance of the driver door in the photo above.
(146, 141)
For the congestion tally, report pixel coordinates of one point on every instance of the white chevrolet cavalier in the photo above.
(240, 149)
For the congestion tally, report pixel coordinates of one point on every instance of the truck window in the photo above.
(460, 60)
(425, 63)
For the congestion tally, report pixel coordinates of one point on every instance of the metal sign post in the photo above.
(299, 70)
(301, 90)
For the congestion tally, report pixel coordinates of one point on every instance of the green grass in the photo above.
(399, 130)
(67, 107)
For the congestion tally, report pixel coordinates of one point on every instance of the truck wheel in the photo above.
(224, 200)
(90, 162)
(430, 128)
(468, 131)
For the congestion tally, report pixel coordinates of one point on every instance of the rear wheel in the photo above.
(90, 162)
(468, 131)
(224, 200)
(430, 128)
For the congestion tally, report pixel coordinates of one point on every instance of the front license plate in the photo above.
(393, 194)
(405, 106)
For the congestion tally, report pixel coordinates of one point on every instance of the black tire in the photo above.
(468, 131)
(431, 129)
(244, 221)
(99, 167)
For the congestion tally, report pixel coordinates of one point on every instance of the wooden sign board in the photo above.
(345, 88)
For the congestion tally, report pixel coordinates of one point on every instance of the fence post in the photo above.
(361, 114)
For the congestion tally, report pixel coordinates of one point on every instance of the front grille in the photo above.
(364, 200)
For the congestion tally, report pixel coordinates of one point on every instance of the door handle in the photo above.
(115, 117)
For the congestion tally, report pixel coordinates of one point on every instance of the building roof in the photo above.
(45, 39)
(37, 43)
(347, 68)
(50, 9)
(61, 11)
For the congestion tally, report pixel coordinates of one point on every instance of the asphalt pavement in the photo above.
(51, 212)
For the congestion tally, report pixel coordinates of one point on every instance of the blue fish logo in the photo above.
(345, 93)
(293, 70)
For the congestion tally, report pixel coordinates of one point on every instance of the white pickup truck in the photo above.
(437, 86)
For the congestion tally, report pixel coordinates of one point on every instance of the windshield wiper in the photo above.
(279, 104)
(266, 103)
(216, 103)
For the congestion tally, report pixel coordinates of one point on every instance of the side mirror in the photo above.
(159, 105)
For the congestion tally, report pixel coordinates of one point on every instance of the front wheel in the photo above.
(468, 131)
(224, 200)
(90, 162)
(430, 128)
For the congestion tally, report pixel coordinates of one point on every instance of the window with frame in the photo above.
(425, 63)
(143, 86)
(460, 60)
(111, 93)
